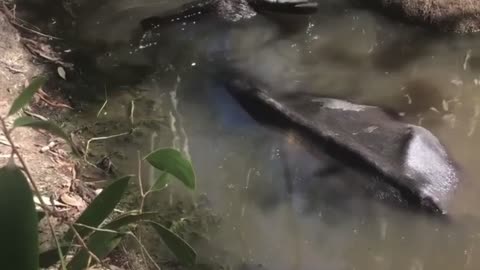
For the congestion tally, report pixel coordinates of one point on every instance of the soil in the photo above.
(50, 167)
(58, 173)
(457, 16)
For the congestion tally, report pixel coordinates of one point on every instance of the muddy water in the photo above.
(266, 189)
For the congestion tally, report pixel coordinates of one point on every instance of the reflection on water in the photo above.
(277, 210)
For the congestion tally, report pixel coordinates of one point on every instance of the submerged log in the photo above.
(409, 159)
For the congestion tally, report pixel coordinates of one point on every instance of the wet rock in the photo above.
(460, 16)
(396, 162)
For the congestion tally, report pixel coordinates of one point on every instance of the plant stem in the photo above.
(104, 103)
(140, 183)
(96, 229)
(142, 247)
(84, 245)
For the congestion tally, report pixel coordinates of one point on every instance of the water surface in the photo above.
(276, 210)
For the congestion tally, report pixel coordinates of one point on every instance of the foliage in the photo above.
(24, 98)
(180, 248)
(171, 161)
(100, 208)
(19, 245)
(97, 238)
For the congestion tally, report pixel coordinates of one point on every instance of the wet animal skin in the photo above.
(231, 10)
(287, 6)
(406, 157)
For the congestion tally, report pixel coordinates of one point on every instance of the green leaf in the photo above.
(100, 208)
(49, 126)
(99, 240)
(18, 222)
(51, 257)
(100, 243)
(181, 249)
(161, 182)
(172, 162)
(27, 94)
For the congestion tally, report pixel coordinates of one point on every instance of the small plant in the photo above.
(96, 238)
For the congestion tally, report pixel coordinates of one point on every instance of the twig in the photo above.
(142, 204)
(55, 104)
(140, 184)
(142, 247)
(4, 142)
(14, 15)
(467, 58)
(29, 113)
(87, 148)
(142, 252)
(32, 46)
(42, 95)
(35, 189)
(14, 70)
(132, 109)
(104, 103)
(80, 239)
(126, 254)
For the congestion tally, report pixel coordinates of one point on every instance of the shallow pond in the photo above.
(264, 186)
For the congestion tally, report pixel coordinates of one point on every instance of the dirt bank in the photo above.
(51, 166)
(459, 16)
(70, 181)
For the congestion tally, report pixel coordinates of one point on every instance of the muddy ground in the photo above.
(60, 175)
(71, 181)
(47, 156)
